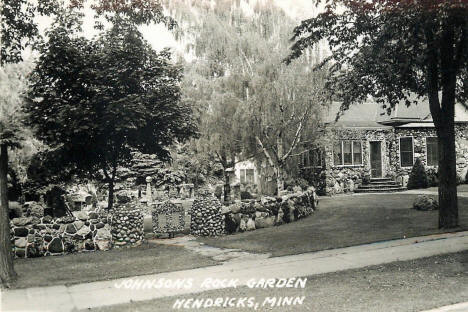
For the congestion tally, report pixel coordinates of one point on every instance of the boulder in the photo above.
(264, 222)
(21, 231)
(242, 225)
(70, 228)
(235, 208)
(279, 217)
(425, 203)
(21, 242)
(230, 223)
(81, 215)
(225, 210)
(55, 246)
(47, 219)
(102, 244)
(78, 224)
(250, 225)
(83, 231)
(103, 234)
(22, 221)
(35, 209)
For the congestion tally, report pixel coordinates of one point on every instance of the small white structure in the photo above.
(246, 172)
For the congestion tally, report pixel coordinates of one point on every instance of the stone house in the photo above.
(366, 142)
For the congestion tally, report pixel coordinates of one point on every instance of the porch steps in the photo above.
(380, 185)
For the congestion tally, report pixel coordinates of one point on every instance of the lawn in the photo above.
(76, 268)
(340, 221)
(404, 286)
(343, 221)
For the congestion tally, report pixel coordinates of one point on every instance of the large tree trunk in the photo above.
(7, 272)
(448, 213)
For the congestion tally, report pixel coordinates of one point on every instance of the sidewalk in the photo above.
(103, 293)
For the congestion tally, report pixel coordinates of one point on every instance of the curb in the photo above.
(459, 307)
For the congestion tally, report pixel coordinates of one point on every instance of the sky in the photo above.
(160, 37)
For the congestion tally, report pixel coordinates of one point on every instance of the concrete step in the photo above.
(380, 185)
(380, 190)
(382, 182)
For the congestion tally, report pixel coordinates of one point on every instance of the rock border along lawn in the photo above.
(269, 211)
(36, 235)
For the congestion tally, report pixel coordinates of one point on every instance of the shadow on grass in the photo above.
(148, 258)
(343, 221)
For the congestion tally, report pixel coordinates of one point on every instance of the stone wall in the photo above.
(419, 136)
(36, 235)
(127, 225)
(345, 178)
(206, 216)
(269, 211)
(342, 179)
(167, 217)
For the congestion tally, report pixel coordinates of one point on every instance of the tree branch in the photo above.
(432, 75)
(265, 151)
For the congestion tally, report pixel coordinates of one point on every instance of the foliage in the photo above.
(398, 52)
(97, 100)
(432, 177)
(386, 53)
(291, 183)
(237, 80)
(418, 177)
(246, 195)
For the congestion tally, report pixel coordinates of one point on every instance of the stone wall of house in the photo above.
(36, 234)
(419, 136)
(269, 211)
(342, 179)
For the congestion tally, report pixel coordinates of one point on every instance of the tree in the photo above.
(238, 60)
(284, 112)
(17, 31)
(97, 100)
(392, 50)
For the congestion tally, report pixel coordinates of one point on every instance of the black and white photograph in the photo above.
(234, 155)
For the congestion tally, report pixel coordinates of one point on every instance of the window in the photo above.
(246, 176)
(432, 151)
(357, 153)
(347, 153)
(312, 158)
(338, 154)
(406, 152)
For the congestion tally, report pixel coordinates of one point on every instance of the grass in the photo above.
(399, 286)
(75, 268)
(343, 221)
(340, 221)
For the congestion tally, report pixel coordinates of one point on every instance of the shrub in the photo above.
(418, 177)
(246, 195)
(366, 179)
(432, 177)
(291, 183)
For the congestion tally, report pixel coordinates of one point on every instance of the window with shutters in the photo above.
(406, 152)
(432, 149)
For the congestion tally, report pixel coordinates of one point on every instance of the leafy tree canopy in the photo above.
(99, 99)
(390, 49)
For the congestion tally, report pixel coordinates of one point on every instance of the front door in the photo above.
(376, 159)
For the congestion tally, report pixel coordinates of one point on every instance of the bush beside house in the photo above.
(418, 177)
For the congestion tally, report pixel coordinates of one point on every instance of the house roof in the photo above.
(372, 115)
